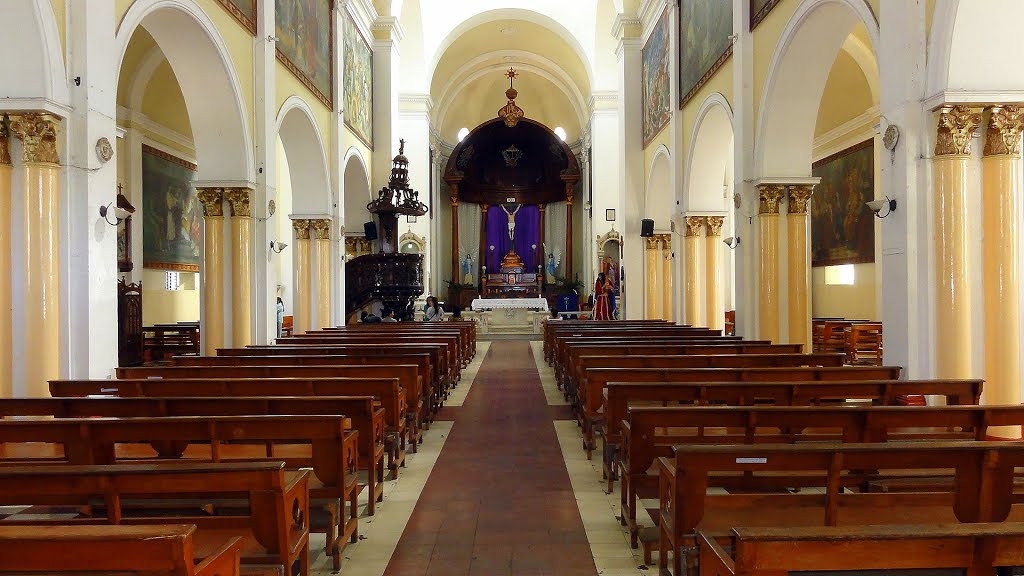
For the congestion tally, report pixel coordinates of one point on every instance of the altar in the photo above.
(486, 304)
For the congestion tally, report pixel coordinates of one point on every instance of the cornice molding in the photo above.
(853, 131)
(624, 24)
(419, 103)
(634, 44)
(391, 25)
(128, 118)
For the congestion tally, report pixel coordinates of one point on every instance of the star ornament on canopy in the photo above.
(510, 112)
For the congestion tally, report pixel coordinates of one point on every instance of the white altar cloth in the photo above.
(480, 304)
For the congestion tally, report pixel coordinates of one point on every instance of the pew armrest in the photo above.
(714, 560)
(224, 561)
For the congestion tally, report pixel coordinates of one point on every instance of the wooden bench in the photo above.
(324, 443)
(579, 330)
(974, 549)
(388, 392)
(553, 326)
(451, 354)
(258, 502)
(162, 341)
(662, 336)
(365, 413)
(983, 491)
(466, 331)
(162, 550)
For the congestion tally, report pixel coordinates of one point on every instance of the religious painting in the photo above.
(656, 89)
(705, 43)
(305, 43)
(842, 226)
(357, 83)
(243, 10)
(759, 9)
(124, 234)
(172, 216)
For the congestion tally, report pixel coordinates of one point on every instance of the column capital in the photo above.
(5, 142)
(239, 198)
(665, 240)
(1005, 124)
(38, 134)
(321, 228)
(714, 225)
(956, 126)
(301, 228)
(769, 196)
(212, 200)
(799, 196)
(484, 207)
(542, 206)
(651, 243)
(694, 224)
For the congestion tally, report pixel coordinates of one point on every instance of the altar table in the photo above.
(480, 304)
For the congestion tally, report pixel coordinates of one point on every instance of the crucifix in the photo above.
(511, 220)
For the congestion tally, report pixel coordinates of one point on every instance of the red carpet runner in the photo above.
(498, 502)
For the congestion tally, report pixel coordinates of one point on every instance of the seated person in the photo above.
(389, 316)
(433, 311)
(369, 318)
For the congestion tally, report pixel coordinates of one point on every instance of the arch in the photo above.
(37, 73)
(961, 31)
(357, 191)
(511, 14)
(796, 81)
(307, 160)
(659, 199)
(709, 156)
(192, 44)
(940, 45)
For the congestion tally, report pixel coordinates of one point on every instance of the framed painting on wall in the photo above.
(705, 43)
(305, 43)
(655, 73)
(243, 10)
(842, 225)
(759, 9)
(357, 82)
(172, 216)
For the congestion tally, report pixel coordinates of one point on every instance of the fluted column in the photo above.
(953, 331)
(651, 254)
(303, 299)
(691, 240)
(798, 273)
(212, 200)
(666, 277)
(41, 168)
(768, 264)
(6, 341)
(241, 265)
(322, 235)
(713, 272)
(1001, 197)
(483, 239)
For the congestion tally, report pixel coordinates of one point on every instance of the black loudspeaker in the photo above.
(370, 231)
(646, 228)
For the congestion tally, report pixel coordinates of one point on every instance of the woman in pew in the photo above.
(433, 311)
(602, 305)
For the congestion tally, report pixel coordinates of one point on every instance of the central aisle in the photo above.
(498, 501)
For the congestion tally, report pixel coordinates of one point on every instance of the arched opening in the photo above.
(659, 203)
(357, 196)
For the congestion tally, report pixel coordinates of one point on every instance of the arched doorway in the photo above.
(659, 203)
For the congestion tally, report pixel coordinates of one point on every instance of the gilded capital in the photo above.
(694, 224)
(212, 200)
(666, 241)
(651, 242)
(238, 198)
(799, 196)
(1005, 124)
(769, 195)
(321, 229)
(714, 225)
(301, 228)
(454, 198)
(38, 135)
(5, 142)
(956, 126)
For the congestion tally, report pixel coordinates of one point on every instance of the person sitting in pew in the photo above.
(433, 312)
(389, 316)
(369, 318)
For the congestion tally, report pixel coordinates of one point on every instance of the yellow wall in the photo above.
(162, 306)
(721, 82)
(349, 140)
(766, 37)
(856, 301)
(846, 95)
(287, 86)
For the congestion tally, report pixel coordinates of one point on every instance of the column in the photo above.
(212, 337)
(651, 254)
(713, 272)
(322, 234)
(454, 198)
(1001, 168)
(6, 341)
(241, 265)
(303, 299)
(540, 243)
(953, 333)
(568, 230)
(768, 264)
(666, 277)
(798, 274)
(41, 168)
(691, 241)
(483, 239)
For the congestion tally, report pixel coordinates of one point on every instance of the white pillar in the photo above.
(89, 283)
(743, 172)
(386, 82)
(606, 157)
(264, 275)
(414, 128)
(631, 168)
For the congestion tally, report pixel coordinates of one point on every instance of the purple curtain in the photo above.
(527, 234)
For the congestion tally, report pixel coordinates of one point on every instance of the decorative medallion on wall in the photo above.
(271, 207)
(104, 150)
(512, 156)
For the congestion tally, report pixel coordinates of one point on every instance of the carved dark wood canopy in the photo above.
(494, 163)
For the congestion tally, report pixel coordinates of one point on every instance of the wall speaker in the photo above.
(370, 230)
(646, 228)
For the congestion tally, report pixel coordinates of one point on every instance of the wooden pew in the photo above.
(591, 389)
(555, 331)
(258, 502)
(324, 443)
(388, 392)
(366, 414)
(551, 326)
(968, 548)
(407, 375)
(162, 550)
(452, 355)
(983, 491)
(162, 341)
(466, 331)
(663, 335)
